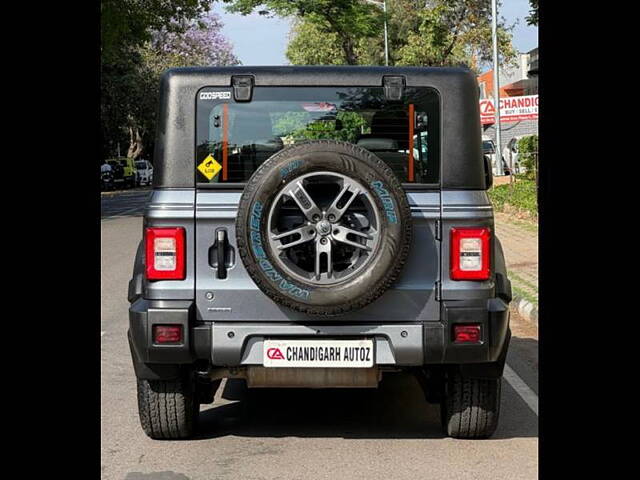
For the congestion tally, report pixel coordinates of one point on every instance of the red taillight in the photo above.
(470, 253)
(165, 253)
(466, 333)
(167, 334)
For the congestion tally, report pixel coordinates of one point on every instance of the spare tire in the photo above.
(323, 227)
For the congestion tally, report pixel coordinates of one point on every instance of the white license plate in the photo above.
(318, 353)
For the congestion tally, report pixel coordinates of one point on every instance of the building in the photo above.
(515, 81)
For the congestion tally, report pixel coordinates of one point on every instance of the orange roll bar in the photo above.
(411, 122)
(225, 140)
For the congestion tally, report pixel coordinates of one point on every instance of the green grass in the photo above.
(522, 288)
(522, 294)
(522, 281)
(521, 195)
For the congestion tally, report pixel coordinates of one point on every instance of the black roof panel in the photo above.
(461, 152)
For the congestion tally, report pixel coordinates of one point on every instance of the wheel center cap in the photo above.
(323, 227)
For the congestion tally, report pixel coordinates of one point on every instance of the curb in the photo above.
(526, 309)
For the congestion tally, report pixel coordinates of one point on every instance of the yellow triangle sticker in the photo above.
(209, 167)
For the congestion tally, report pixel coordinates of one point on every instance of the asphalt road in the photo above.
(124, 203)
(389, 432)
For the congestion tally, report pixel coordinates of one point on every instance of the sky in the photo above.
(262, 41)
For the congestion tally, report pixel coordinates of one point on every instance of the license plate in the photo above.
(318, 353)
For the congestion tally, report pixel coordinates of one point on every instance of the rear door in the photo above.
(234, 138)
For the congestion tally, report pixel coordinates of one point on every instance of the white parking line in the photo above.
(528, 395)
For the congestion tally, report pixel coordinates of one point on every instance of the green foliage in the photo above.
(297, 126)
(349, 20)
(455, 32)
(433, 44)
(126, 87)
(532, 18)
(436, 33)
(126, 92)
(309, 45)
(140, 39)
(522, 195)
(126, 24)
(528, 155)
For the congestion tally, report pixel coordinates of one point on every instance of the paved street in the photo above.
(123, 203)
(389, 433)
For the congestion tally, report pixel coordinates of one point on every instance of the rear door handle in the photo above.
(221, 240)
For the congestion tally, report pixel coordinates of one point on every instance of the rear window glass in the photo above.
(235, 138)
(141, 165)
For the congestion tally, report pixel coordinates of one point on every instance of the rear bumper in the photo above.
(234, 344)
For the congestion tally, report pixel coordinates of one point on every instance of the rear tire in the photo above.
(471, 406)
(168, 409)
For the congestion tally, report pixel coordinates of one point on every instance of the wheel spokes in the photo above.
(336, 211)
(304, 201)
(321, 250)
(331, 244)
(305, 234)
(340, 234)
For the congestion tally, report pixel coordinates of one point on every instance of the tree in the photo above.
(349, 20)
(309, 45)
(436, 33)
(140, 39)
(456, 32)
(528, 148)
(125, 26)
(199, 42)
(532, 18)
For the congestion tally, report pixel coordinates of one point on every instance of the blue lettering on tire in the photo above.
(261, 256)
(290, 167)
(387, 201)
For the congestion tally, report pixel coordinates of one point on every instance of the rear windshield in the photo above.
(141, 165)
(234, 138)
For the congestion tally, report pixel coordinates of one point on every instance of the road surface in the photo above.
(389, 433)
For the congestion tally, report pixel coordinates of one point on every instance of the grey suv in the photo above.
(319, 227)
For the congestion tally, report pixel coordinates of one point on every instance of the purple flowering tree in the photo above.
(195, 43)
(201, 44)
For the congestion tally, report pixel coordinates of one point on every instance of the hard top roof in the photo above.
(461, 152)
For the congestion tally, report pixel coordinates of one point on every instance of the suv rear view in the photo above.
(319, 227)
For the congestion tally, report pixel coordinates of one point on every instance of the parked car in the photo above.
(144, 172)
(324, 263)
(124, 171)
(489, 149)
(106, 177)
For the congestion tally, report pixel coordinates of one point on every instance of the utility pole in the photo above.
(496, 85)
(386, 40)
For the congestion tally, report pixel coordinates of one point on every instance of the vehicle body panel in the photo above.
(228, 319)
(237, 298)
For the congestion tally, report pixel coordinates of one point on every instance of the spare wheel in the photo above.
(323, 227)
